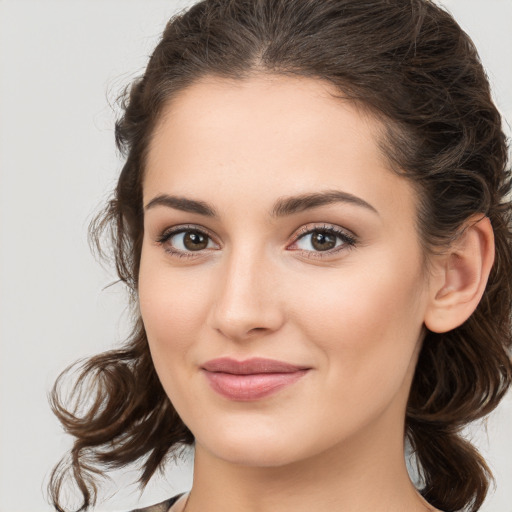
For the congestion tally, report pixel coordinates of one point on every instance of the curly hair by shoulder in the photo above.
(410, 64)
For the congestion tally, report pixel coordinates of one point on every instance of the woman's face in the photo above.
(275, 229)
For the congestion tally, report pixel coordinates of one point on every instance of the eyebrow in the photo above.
(296, 204)
(282, 207)
(183, 204)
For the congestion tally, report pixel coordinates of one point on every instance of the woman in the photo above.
(312, 218)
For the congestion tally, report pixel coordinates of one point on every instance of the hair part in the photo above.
(420, 74)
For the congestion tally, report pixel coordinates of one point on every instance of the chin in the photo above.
(249, 454)
(256, 447)
(263, 443)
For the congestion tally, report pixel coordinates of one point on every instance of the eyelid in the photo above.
(349, 239)
(180, 228)
(169, 232)
(322, 226)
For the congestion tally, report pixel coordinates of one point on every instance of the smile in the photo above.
(252, 379)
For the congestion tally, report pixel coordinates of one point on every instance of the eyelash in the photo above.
(169, 233)
(348, 240)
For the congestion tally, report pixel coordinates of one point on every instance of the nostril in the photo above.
(256, 330)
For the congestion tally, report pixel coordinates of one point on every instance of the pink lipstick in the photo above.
(251, 379)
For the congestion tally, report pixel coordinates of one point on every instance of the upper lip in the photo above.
(249, 366)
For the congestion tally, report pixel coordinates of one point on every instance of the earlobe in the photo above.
(460, 276)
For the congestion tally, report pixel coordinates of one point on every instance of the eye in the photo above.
(182, 241)
(327, 239)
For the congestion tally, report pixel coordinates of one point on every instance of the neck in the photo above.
(365, 473)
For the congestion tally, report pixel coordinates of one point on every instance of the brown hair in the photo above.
(409, 63)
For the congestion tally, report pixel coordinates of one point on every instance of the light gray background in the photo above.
(61, 64)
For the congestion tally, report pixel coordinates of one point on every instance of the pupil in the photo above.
(323, 241)
(195, 241)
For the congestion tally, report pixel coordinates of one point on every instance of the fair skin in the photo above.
(351, 312)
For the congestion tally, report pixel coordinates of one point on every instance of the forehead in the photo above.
(268, 136)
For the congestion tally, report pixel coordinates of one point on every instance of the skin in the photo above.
(334, 439)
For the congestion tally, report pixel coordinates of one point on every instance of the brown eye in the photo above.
(195, 241)
(183, 241)
(323, 241)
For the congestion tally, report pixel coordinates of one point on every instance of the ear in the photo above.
(460, 275)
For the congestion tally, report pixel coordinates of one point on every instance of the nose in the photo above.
(246, 300)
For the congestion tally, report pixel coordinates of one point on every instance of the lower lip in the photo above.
(253, 386)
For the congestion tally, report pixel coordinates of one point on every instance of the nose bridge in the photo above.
(246, 299)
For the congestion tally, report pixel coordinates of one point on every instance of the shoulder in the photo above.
(159, 507)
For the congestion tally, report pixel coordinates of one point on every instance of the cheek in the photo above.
(172, 309)
(366, 323)
(172, 306)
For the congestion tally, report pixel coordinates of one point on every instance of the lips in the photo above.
(251, 379)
